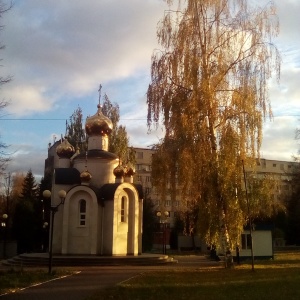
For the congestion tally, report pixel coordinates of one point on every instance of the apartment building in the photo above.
(280, 171)
(143, 177)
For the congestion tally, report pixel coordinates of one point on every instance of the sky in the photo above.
(58, 52)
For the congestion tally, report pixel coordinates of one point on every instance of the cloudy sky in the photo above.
(58, 53)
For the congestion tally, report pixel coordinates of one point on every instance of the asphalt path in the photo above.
(87, 280)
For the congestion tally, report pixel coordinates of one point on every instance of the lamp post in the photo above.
(4, 226)
(249, 216)
(44, 245)
(163, 221)
(53, 209)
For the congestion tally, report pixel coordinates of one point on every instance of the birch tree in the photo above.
(209, 89)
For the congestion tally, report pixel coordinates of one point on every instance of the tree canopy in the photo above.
(293, 207)
(209, 88)
(75, 130)
(27, 218)
(118, 139)
(29, 187)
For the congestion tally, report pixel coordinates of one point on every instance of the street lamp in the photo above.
(53, 209)
(4, 226)
(249, 216)
(44, 237)
(163, 220)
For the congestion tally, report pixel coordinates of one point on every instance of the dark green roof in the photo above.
(71, 176)
(67, 176)
(97, 154)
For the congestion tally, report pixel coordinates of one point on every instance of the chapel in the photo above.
(102, 209)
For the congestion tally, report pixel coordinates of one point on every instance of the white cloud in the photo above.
(28, 157)
(279, 139)
(69, 47)
(24, 93)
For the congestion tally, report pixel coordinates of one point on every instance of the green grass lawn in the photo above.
(272, 279)
(13, 280)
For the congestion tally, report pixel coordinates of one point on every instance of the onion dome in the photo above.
(119, 171)
(65, 149)
(85, 176)
(98, 124)
(129, 171)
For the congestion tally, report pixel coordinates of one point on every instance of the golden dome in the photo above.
(98, 124)
(65, 149)
(85, 176)
(119, 171)
(129, 171)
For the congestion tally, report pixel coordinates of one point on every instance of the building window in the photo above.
(142, 167)
(82, 212)
(147, 190)
(148, 179)
(139, 155)
(123, 209)
(176, 203)
(246, 241)
(168, 203)
(146, 168)
(274, 165)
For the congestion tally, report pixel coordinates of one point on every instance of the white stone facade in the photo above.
(101, 214)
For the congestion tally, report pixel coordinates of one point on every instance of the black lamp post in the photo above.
(163, 221)
(249, 216)
(53, 209)
(44, 241)
(4, 226)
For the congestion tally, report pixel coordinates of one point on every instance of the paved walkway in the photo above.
(90, 279)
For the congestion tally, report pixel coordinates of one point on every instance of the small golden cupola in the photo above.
(119, 172)
(129, 172)
(65, 149)
(85, 177)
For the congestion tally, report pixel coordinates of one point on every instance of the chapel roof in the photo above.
(71, 176)
(107, 191)
(67, 176)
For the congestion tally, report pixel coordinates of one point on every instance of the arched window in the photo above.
(123, 209)
(82, 212)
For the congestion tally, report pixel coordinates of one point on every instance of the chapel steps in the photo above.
(42, 260)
